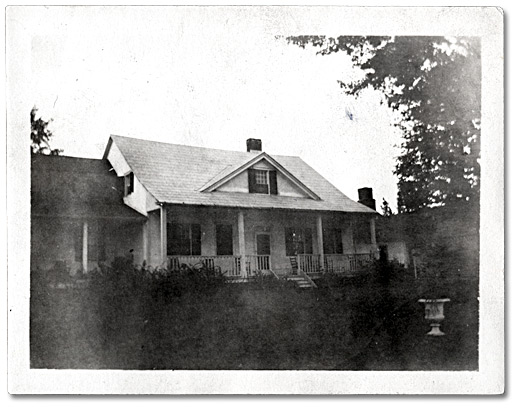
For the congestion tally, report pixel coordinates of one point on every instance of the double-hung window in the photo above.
(262, 181)
(183, 239)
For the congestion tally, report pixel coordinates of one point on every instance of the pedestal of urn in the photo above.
(434, 313)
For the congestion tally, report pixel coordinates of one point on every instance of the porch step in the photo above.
(301, 281)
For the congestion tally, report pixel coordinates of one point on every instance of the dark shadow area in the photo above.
(129, 318)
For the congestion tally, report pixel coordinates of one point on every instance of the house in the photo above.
(169, 205)
(78, 218)
(450, 231)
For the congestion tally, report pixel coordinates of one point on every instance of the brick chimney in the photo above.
(254, 145)
(366, 198)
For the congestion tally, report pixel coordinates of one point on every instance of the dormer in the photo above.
(261, 174)
(262, 181)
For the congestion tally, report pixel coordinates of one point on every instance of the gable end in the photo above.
(250, 165)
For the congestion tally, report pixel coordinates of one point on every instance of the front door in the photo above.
(263, 250)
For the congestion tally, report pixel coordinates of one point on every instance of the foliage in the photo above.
(385, 208)
(357, 324)
(439, 269)
(435, 85)
(122, 278)
(41, 136)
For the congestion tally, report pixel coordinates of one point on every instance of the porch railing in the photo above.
(228, 264)
(337, 263)
(255, 263)
(309, 263)
(347, 263)
(334, 263)
(359, 261)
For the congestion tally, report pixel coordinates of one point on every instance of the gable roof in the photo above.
(76, 187)
(176, 174)
(242, 167)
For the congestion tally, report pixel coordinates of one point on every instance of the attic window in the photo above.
(129, 183)
(261, 177)
(262, 181)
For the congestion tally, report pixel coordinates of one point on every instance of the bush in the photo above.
(443, 273)
(122, 278)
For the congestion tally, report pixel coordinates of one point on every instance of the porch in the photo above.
(311, 265)
(242, 243)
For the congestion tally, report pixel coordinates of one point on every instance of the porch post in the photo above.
(319, 228)
(145, 241)
(242, 243)
(164, 255)
(84, 256)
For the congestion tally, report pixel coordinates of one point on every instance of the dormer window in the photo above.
(261, 177)
(262, 181)
(129, 183)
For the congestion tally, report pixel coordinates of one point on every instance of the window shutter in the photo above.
(308, 241)
(195, 239)
(328, 242)
(251, 179)
(172, 238)
(339, 242)
(273, 183)
(131, 182)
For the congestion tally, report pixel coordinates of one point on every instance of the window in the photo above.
(262, 181)
(261, 177)
(129, 183)
(298, 241)
(332, 242)
(362, 232)
(183, 239)
(224, 240)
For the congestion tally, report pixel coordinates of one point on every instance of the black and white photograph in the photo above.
(255, 200)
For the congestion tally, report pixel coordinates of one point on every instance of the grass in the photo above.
(341, 325)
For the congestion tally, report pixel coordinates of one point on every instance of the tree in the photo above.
(40, 136)
(435, 84)
(385, 208)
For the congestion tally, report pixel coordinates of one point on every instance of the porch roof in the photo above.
(175, 174)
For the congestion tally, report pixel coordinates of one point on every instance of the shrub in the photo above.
(442, 273)
(123, 279)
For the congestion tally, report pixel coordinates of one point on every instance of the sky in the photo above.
(209, 77)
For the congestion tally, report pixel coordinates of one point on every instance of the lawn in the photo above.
(344, 324)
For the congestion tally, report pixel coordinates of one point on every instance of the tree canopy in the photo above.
(40, 136)
(435, 85)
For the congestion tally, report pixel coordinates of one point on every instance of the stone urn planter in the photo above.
(434, 313)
